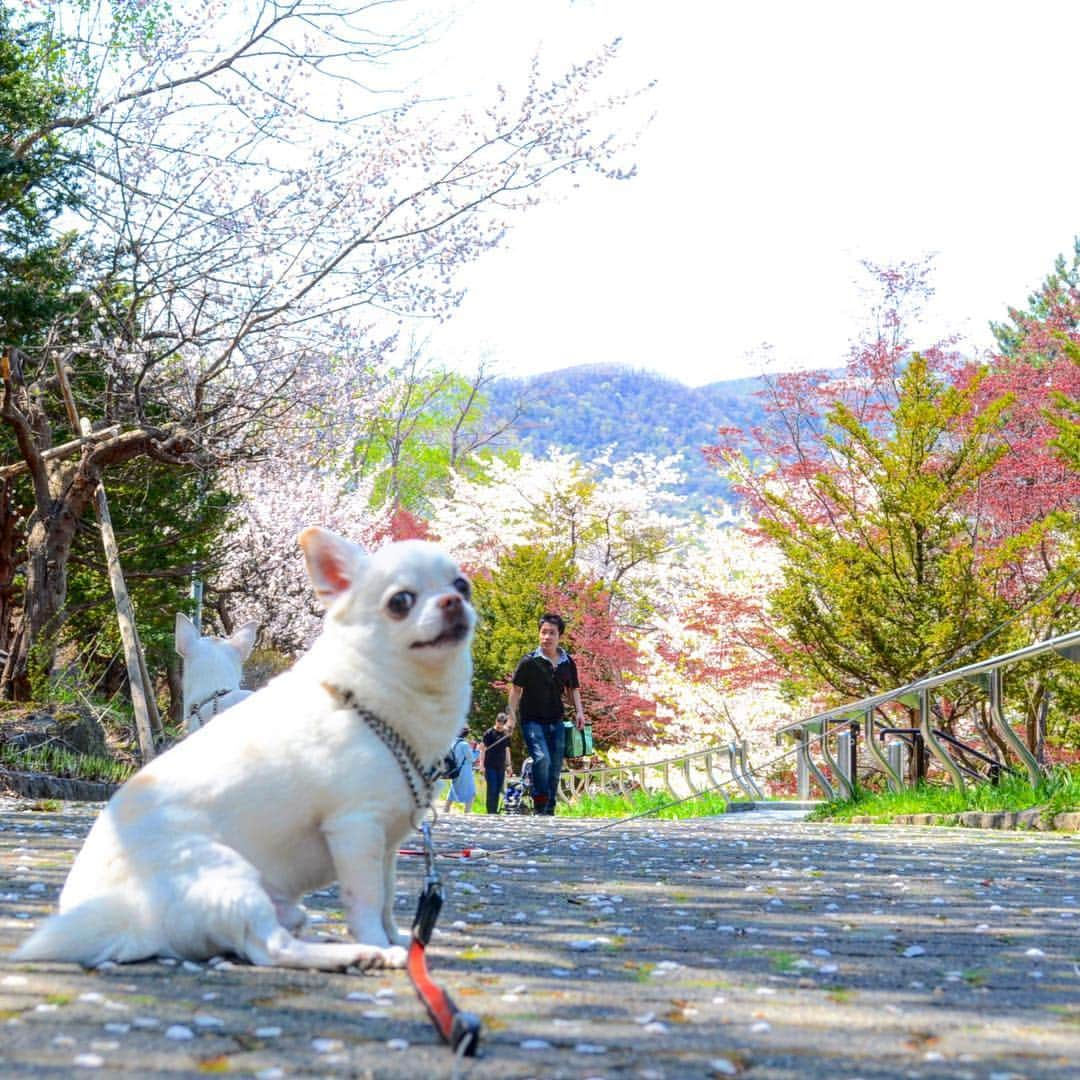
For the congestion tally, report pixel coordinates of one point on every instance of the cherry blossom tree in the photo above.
(252, 208)
(261, 572)
(706, 660)
(1033, 493)
(1030, 497)
(613, 518)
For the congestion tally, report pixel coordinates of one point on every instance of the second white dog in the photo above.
(213, 667)
(318, 776)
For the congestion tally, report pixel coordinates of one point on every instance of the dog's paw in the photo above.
(396, 956)
(380, 959)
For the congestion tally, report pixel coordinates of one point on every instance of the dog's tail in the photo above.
(100, 928)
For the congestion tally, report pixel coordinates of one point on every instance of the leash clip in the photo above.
(431, 875)
(427, 912)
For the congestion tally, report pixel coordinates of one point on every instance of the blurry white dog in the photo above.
(212, 670)
(318, 776)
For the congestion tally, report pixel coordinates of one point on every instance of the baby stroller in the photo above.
(518, 796)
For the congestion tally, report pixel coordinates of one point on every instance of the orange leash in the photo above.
(460, 1030)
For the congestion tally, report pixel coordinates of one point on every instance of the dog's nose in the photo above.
(450, 602)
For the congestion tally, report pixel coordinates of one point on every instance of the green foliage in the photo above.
(655, 803)
(884, 585)
(167, 526)
(54, 761)
(510, 602)
(36, 183)
(32, 92)
(430, 425)
(1059, 792)
(1012, 336)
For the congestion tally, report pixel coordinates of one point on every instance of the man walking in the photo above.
(536, 699)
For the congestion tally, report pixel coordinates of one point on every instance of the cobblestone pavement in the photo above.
(741, 945)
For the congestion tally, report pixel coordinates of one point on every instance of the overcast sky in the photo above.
(792, 139)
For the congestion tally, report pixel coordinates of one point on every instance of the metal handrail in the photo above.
(964, 748)
(574, 782)
(985, 674)
(1068, 641)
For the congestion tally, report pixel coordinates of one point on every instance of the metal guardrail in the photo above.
(844, 723)
(712, 770)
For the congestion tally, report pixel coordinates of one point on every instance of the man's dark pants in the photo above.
(546, 743)
(494, 779)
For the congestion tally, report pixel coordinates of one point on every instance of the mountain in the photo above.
(589, 408)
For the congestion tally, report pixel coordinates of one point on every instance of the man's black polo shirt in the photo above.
(542, 686)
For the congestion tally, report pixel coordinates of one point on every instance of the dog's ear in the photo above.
(333, 563)
(243, 639)
(186, 634)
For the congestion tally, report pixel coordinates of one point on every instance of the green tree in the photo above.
(1053, 305)
(36, 185)
(170, 525)
(430, 424)
(510, 601)
(882, 579)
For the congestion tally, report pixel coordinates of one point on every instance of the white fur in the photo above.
(210, 847)
(212, 670)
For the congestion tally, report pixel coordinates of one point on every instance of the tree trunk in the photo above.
(8, 565)
(1038, 747)
(48, 546)
(1035, 714)
(176, 691)
(996, 742)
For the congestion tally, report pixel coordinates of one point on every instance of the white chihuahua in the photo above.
(212, 670)
(318, 776)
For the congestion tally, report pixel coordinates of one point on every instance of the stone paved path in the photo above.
(733, 946)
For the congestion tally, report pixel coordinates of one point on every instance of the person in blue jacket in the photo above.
(463, 786)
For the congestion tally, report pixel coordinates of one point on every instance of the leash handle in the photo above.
(460, 1030)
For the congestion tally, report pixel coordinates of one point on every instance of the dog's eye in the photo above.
(400, 604)
(462, 585)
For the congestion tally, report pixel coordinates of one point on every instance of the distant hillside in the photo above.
(589, 408)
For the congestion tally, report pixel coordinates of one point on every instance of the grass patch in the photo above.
(782, 962)
(1070, 1014)
(55, 761)
(644, 802)
(1058, 792)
